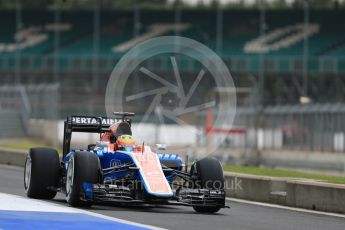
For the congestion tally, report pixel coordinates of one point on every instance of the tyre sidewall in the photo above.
(86, 169)
(45, 170)
(209, 175)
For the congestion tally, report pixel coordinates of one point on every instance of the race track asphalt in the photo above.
(240, 216)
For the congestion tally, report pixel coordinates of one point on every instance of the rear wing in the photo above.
(88, 124)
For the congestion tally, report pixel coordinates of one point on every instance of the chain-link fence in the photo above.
(314, 127)
(317, 127)
(19, 103)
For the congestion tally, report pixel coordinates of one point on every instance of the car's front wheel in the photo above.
(209, 175)
(83, 167)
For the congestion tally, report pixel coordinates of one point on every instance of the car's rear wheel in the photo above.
(208, 173)
(41, 173)
(82, 167)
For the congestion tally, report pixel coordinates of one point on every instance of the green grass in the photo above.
(25, 145)
(271, 172)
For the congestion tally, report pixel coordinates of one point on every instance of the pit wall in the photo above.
(305, 194)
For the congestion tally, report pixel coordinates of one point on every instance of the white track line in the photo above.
(286, 207)
(16, 203)
(45, 206)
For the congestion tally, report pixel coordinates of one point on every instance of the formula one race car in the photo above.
(116, 169)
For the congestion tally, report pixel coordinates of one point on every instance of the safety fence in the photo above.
(239, 64)
(317, 127)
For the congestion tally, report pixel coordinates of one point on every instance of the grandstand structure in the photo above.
(77, 50)
(42, 46)
(283, 38)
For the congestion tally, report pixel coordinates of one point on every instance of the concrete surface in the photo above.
(12, 157)
(316, 196)
(306, 194)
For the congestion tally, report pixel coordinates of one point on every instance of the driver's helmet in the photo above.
(125, 142)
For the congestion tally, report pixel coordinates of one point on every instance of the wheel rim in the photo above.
(27, 176)
(70, 177)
